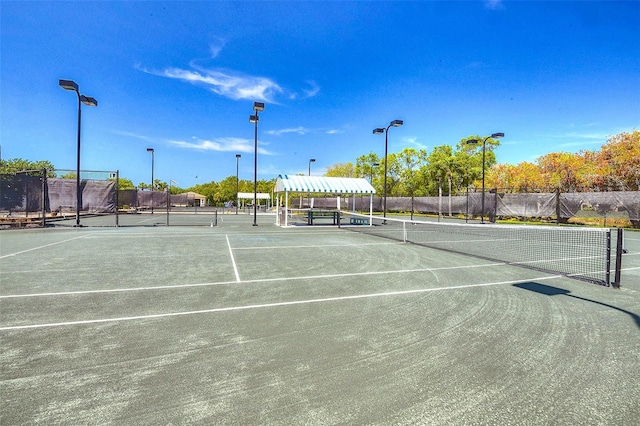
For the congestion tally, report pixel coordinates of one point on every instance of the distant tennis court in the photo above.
(238, 324)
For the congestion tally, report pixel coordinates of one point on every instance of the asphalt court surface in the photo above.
(236, 324)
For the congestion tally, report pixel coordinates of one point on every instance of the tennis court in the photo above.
(242, 324)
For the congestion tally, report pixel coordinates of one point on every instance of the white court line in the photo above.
(256, 281)
(320, 246)
(41, 247)
(271, 305)
(233, 260)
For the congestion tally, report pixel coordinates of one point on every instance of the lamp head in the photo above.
(497, 135)
(472, 141)
(313, 160)
(258, 106)
(149, 149)
(87, 100)
(378, 131)
(238, 155)
(254, 118)
(68, 85)
(397, 123)
(375, 164)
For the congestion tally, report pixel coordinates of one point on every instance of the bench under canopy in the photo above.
(286, 184)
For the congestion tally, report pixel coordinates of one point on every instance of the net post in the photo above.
(339, 216)
(117, 198)
(619, 251)
(404, 232)
(608, 262)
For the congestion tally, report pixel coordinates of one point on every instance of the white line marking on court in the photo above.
(233, 260)
(256, 281)
(272, 305)
(319, 246)
(41, 247)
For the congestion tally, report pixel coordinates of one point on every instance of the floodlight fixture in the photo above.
(68, 85)
(89, 101)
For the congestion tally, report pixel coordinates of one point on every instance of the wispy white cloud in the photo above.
(414, 141)
(578, 139)
(301, 130)
(298, 130)
(493, 4)
(220, 145)
(312, 90)
(215, 47)
(227, 83)
(133, 135)
(232, 84)
(581, 136)
(474, 65)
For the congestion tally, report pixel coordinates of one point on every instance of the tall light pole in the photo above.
(152, 167)
(312, 160)
(484, 143)
(377, 131)
(82, 99)
(257, 106)
(237, 181)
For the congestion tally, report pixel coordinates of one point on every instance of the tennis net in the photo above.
(581, 253)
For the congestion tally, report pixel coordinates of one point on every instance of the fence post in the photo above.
(44, 197)
(117, 198)
(558, 210)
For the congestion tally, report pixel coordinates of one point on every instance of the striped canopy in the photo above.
(316, 184)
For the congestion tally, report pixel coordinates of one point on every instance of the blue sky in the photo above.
(181, 77)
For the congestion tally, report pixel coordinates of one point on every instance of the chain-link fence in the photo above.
(604, 208)
(36, 198)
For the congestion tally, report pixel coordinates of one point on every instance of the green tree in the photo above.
(227, 189)
(124, 183)
(15, 165)
(619, 161)
(445, 168)
(410, 163)
(475, 164)
(394, 171)
(341, 170)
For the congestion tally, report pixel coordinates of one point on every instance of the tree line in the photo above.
(452, 170)
(446, 170)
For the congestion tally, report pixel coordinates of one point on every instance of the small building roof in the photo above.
(316, 184)
(195, 195)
